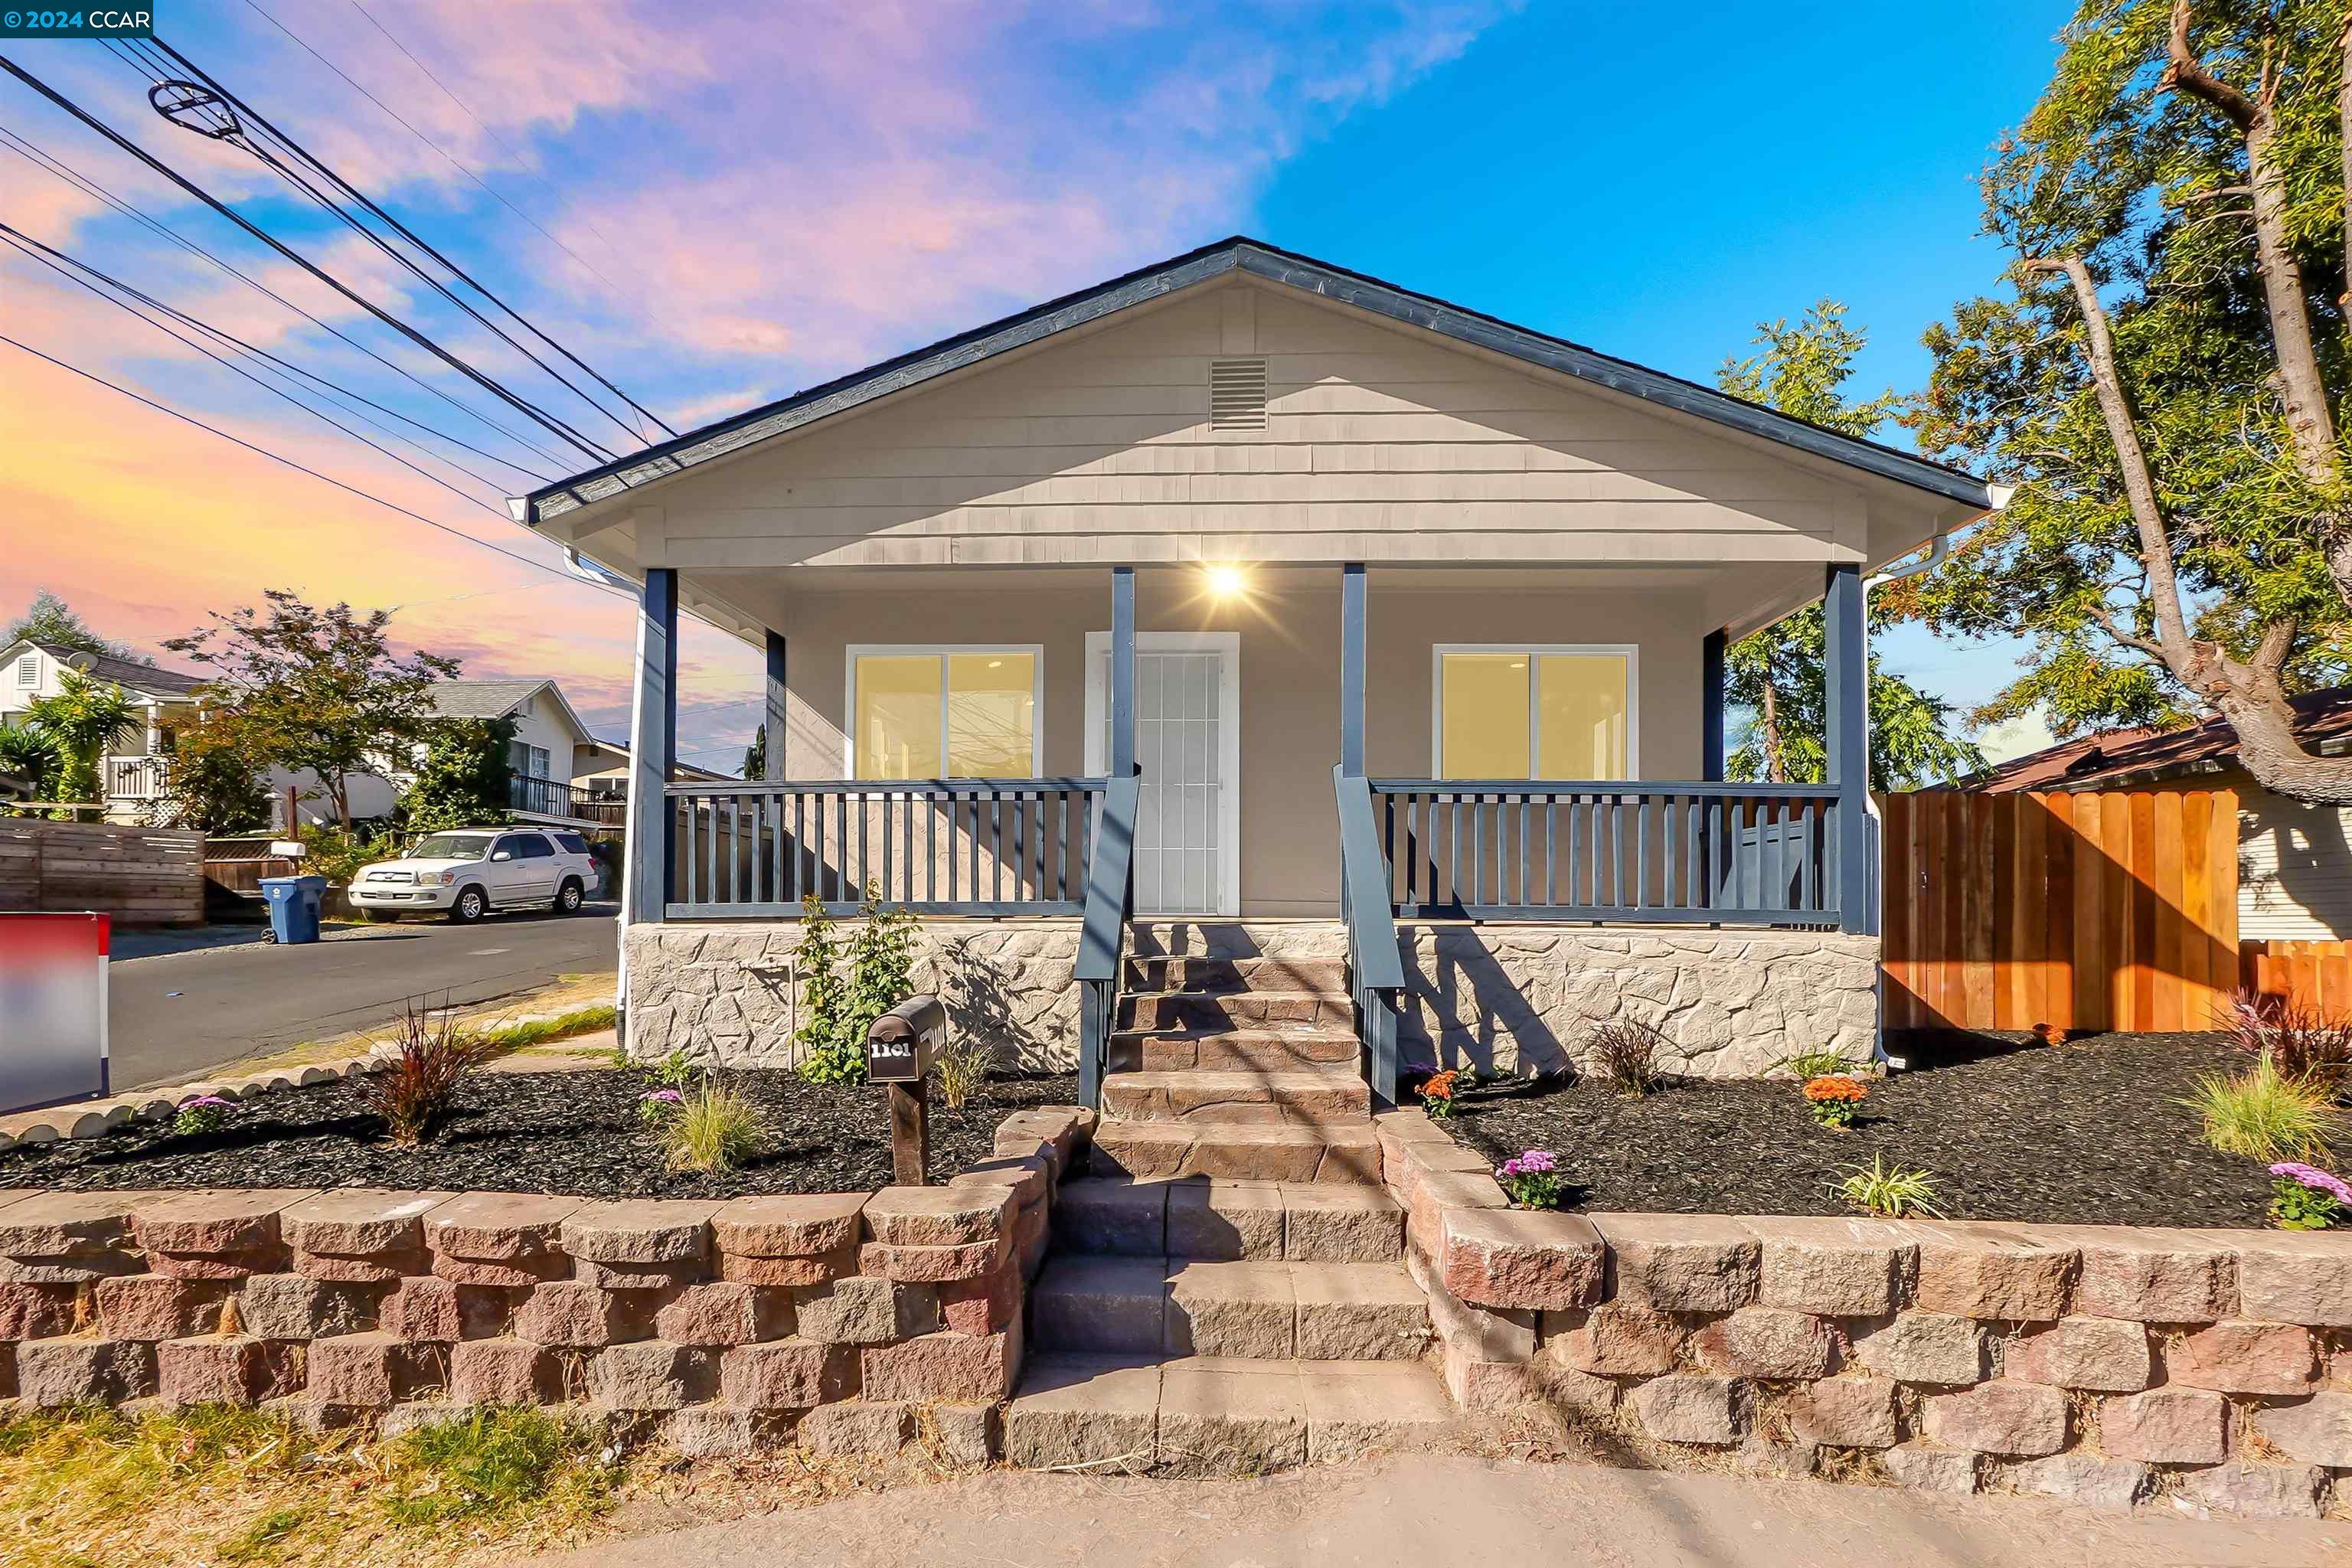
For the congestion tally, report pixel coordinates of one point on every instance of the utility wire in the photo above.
(70, 106)
(241, 106)
(284, 367)
(288, 462)
(446, 155)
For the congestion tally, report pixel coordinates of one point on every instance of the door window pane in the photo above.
(1580, 716)
(1482, 712)
(991, 714)
(897, 716)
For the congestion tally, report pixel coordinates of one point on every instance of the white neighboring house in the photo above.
(553, 757)
(130, 772)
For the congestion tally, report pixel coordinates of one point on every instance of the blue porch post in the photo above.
(1712, 756)
(653, 744)
(1846, 665)
(1352, 613)
(1123, 671)
(774, 716)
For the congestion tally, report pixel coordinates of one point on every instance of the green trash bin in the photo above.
(294, 907)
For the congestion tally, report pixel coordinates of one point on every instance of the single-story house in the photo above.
(2294, 857)
(552, 756)
(130, 772)
(1247, 604)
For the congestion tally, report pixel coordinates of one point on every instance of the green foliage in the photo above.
(495, 1462)
(1779, 674)
(2265, 1113)
(847, 985)
(2145, 184)
(417, 1092)
(1820, 1063)
(82, 718)
(2297, 1206)
(1888, 1191)
(674, 1070)
(963, 1065)
(210, 782)
(881, 962)
(50, 620)
(463, 776)
(337, 854)
(32, 755)
(300, 687)
(755, 755)
(716, 1127)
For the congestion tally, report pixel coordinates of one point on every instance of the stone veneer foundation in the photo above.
(2110, 1364)
(843, 1320)
(1505, 997)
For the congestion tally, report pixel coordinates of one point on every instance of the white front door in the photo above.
(1188, 743)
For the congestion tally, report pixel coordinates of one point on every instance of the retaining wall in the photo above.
(2111, 1364)
(843, 1320)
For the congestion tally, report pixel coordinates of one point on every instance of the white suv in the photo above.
(468, 873)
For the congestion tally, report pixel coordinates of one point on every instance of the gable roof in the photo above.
(1261, 261)
(2114, 758)
(150, 680)
(498, 699)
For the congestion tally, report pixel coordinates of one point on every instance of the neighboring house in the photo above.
(602, 770)
(2295, 858)
(131, 773)
(553, 758)
(1294, 581)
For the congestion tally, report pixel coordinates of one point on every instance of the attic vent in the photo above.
(1237, 394)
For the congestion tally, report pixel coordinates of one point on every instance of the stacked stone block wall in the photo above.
(847, 1321)
(2112, 1364)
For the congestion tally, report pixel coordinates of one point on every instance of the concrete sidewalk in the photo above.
(1464, 1514)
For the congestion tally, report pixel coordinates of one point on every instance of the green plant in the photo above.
(1532, 1178)
(1438, 1092)
(417, 1093)
(1889, 1191)
(2303, 1198)
(201, 1113)
(338, 853)
(34, 756)
(210, 782)
(495, 1461)
(674, 1070)
(963, 1065)
(1833, 1100)
(1824, 1062)
(464, 775)
(81, 718)
(1627, 1050)
(879, 961)
(2264, 1113)
(2300, 1039)
(714, 1127)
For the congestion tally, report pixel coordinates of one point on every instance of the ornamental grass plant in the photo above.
(2265, 1112)
(714, 1128)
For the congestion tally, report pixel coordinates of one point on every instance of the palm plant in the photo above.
(80, 719)
(32, 755)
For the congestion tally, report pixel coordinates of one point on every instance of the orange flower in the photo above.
(2050, 1034)
(1440, 1087)
(1824, 1088)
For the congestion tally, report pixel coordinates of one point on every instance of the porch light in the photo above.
(1225, 580)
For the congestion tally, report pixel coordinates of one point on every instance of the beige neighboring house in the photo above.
(130, 772)
(1248, 605)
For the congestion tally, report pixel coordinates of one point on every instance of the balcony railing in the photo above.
(135, 778)
(553, 798)
(1715, 854)
(967, 847)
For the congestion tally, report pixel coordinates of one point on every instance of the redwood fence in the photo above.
(2095, 910)
(2312, 974)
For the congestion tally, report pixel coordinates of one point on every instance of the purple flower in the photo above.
(2317, 1180)
(667, 1096)
(1531, 1163)
(205, 1100)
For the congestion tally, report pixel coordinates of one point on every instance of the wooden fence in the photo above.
(2086, 911)
(2312, 974)
(140, 876)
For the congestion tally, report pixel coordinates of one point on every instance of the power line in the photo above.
(446, 155)
(43, 159)
(288, 462)
(521, 405)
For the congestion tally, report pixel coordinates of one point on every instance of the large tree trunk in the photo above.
(1776, 767)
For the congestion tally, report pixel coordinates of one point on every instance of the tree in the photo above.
(755, 755)
(464, 776)
(303, 687)
(1779, 673)
(50, 620)
(2160, 378)
(30, 754)
(211, 784)
(83, 716)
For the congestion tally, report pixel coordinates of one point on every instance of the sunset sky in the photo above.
(716, 205)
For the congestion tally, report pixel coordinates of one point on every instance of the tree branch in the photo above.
(2187, 73)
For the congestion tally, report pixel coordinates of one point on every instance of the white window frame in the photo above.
(1631, 652)
(1228, 645)
(855, 651)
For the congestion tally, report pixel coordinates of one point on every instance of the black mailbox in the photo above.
(901, 1045)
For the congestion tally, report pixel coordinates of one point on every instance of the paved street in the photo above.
(1463, 1513)
(176, 1014)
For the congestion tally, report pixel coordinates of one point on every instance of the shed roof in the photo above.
(2115, 758)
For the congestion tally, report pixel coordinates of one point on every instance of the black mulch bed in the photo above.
(574, 1134)
(2088, 1133)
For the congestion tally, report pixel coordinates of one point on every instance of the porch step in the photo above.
(1286, 1151)
(1208, 1415)
(1226, 1009)
(1255, 1098)
(1254, 1310)
(1194, 975)
(1288, 1049)
(1230, 1221)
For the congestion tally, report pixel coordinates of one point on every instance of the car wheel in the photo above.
(569, 898)
(472, 905)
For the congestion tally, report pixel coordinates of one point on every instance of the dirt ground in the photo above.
(1460, 1513)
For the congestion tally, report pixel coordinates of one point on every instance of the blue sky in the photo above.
(753, 197)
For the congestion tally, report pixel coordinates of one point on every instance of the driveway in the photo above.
(179, 1014)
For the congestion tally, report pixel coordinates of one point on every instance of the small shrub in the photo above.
(2264, 1113)
(1889, 1191)
(2300, 1041)
(201, 1113)
(2303, 1198)
(963, 1065)
(1437, 1095)
(658, 1104)
(1532, 1178)
(714, 1129)
(674, 1070)
(417, 1093)
(1807, 1065)
(1834, 1100)
(1627, 1052)
(828, 1054)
